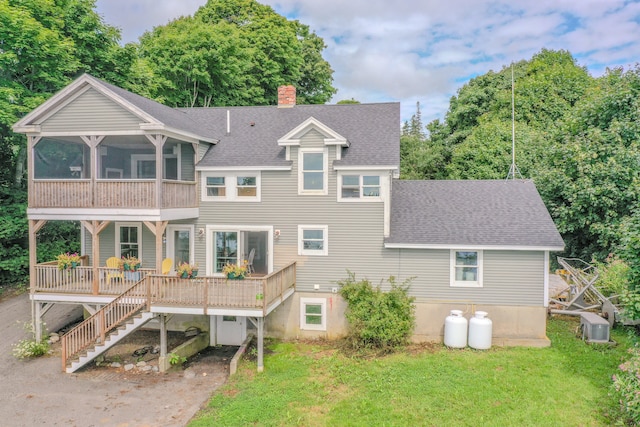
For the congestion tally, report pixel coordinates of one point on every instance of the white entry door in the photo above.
(231, 330)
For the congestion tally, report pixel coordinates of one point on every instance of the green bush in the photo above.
(614, 276)
(626, 388)
(29, 348)
(377, 319)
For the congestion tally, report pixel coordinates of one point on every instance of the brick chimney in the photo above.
(286, 96)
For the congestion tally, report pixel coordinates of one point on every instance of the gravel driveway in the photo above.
(37, 392)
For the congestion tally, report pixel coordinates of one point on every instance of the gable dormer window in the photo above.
(312, 176)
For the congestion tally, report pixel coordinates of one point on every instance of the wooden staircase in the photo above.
(95, 335)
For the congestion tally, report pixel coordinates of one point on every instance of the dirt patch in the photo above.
(37, 392)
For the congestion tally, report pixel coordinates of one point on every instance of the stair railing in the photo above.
(95, 328)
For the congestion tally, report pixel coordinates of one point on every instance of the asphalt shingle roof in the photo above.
(171, 117)
(483, 213)
(373, 130)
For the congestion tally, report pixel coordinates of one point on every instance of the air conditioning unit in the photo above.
(594, 328)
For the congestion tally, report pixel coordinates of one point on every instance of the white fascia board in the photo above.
(30, 129)
(209, 311)
(363, 168)
(93, 133)
(71, 298)
(112, 214)
(474, 247)
(176, 133)
(241, 168)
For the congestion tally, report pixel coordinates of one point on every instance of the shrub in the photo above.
(377, 319)
(626, 387)
(614, 276)
(28, 348)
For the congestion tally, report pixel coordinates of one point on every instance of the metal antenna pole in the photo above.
(513, 170)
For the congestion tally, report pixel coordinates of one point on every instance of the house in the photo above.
(305, 192)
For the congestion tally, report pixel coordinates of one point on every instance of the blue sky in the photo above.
(418, 50)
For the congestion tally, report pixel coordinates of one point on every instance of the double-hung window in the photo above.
(128, 239)
(360, 187)
(215, 186)
(466, 268)
(312, 165)
(313, 240)
(246, 186)
(231, 186)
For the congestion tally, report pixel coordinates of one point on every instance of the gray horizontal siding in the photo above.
(91, 111)
(355, 230)
(108, 245)
(186, 164)
(509, 277)
(356, 244)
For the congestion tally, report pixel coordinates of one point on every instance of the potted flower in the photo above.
(130, 263)
(68, 261)
(186, 270)
(235, 271)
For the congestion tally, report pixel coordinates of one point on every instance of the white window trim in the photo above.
(211, 229)
(128, 224)
(230, 185)
(465, 283)
(170, 245)
(325, 171)
(303, 320)
(325, 235)
(135, 158)
(361, 199)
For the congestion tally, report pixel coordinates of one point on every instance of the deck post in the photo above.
(260, 344)
(163, 362)
(37, 324)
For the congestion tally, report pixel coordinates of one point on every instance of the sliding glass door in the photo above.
(225, 249)
(231, 245)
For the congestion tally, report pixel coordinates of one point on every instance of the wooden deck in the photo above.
(252, 293)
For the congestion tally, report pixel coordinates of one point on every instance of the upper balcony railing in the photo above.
(122, 193)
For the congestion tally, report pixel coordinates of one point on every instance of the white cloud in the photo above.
(412, 51)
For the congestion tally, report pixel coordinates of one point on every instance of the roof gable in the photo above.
(152, 115)
(331, 137)
(68, 95)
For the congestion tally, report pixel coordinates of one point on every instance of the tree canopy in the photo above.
(576, 136)
(235, 52)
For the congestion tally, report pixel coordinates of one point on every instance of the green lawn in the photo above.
(312, 384)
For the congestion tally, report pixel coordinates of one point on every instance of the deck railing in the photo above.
(218, 292)
(95, 329)
(79, 280)
(153, 289)
(120, 193)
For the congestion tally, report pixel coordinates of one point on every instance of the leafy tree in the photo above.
(591, 181)
(235, 53)
(419, 157)
(44, 44)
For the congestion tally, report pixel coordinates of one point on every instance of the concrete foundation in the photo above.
(512, 325)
